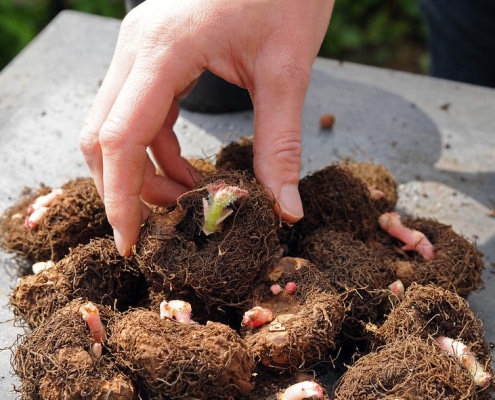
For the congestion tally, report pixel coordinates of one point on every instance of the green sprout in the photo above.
(215, 210)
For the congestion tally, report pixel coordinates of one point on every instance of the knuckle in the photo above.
(111, 135)
(129, 23)
(287, 148)
(88, 139)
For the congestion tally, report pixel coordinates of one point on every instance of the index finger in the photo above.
(136, 116)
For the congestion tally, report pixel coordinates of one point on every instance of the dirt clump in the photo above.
(236, 156)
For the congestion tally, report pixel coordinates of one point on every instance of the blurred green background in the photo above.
(384, 33)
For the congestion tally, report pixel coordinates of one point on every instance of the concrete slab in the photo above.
(436, 136)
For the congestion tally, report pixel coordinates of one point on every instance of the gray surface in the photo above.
(443, 158)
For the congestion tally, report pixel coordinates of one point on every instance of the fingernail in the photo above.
(119, 242)
(290, 203)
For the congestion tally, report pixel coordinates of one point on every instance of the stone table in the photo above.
(436, 136)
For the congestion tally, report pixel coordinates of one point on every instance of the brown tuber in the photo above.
(181, 361)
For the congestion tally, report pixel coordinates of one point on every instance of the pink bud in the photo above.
(91, 315)
(39, 208)
(176, 309)
(257, 316)
(303, 390)
(33, 220)
(397, 288)
(97, 349)
(375, 194)
(276, 289)
(291, 287)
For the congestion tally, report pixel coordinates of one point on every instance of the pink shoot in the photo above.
(91, 316)
(45, 200)
(397, 288)
(459, 350)
(413, 239)
(291, 287)
(256, 317)
(176, 309)
(303, 390)
(39, 207)
(276, 289)
(34, 218)
(215, 208)
(375, 194)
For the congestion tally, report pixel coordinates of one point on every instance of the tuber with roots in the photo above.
(413, 239)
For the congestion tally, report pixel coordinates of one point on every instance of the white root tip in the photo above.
(41, 266)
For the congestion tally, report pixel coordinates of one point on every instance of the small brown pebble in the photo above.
(327, 120)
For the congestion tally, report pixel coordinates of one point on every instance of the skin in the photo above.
(265, 46)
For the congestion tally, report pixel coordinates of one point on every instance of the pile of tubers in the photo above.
(222, 300)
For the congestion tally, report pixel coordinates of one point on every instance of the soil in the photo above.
(324, 280)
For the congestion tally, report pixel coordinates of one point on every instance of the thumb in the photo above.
(278, 104)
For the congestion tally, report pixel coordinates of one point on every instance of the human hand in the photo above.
(265, 46)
